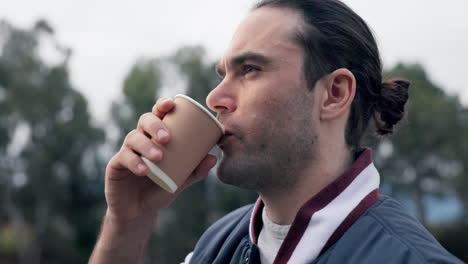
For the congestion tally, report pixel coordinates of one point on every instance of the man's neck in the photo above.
(284, 204)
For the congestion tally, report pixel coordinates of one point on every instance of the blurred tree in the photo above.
(50, 171)
(140, 89)
(199, 74)
(428, 155)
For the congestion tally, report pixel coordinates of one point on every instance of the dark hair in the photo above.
(333, 36)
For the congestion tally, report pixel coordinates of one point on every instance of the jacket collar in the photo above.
(323, 219)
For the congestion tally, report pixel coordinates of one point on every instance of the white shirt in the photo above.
(270, 239)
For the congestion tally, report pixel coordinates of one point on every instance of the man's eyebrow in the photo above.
(242, 58)
(249, 56)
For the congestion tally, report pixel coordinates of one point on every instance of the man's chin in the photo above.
(232, 174)
(221, 170)
(225, 172)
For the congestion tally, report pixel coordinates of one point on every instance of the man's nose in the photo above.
(221, 100)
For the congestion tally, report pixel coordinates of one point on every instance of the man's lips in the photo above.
(222, 140)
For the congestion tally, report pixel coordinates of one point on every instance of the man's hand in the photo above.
(133, 199)
(129, 193)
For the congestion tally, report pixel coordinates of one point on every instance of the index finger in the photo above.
(162, 107)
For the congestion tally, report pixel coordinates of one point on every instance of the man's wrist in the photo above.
(134, 230)
(119, 224)
(123, 240)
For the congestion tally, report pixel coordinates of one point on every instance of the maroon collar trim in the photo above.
(367, 202)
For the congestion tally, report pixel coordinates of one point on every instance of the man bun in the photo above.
(390, 105)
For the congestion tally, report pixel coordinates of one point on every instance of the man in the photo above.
(300, 81)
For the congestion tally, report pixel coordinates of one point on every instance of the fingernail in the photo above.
(162, 134)
(162, 101)
(141, 168)
(154, 153)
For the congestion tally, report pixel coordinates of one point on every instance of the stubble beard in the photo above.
(271, 158)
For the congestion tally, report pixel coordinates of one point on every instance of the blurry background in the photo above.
(75, 76)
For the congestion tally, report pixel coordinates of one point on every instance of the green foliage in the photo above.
(48, 180)
(7, 241)
(141, 85)
(199, 74)
(140, 89)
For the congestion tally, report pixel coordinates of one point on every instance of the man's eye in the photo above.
(249, 68)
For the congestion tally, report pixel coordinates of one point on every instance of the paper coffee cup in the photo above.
(194, 131)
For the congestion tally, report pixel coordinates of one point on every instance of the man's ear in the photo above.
(338, 94)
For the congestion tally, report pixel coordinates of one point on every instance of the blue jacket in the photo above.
(346, 222)
(384, 233)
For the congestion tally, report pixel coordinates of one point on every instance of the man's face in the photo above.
(264, 103)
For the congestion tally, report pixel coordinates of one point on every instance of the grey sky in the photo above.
(108, 36)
